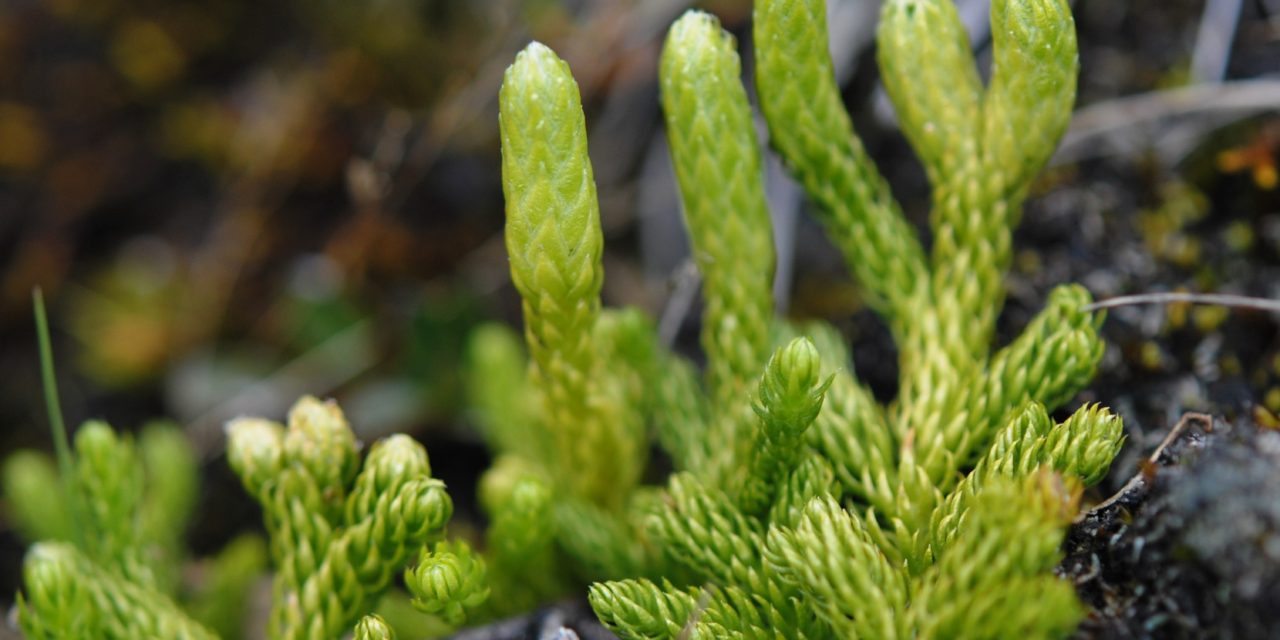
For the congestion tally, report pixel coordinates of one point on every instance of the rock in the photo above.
(1190, 548)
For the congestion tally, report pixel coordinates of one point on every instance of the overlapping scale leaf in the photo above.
(703, 529)
(1033, 87)
(929, 73)
(554, 242)
(851, 430)
(1049, 362)
(830, 557)
(789, 398)
(811, 130)
(995, 579)
(712, 141)
(642, 610)
(68, 595)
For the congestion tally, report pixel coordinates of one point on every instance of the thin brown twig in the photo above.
(1138, 479)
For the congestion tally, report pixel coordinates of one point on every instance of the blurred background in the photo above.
(230, 204)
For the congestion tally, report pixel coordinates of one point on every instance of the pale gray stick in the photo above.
(1213, 41)
(1220, 299)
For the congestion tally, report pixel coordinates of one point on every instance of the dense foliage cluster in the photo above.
(800, 507)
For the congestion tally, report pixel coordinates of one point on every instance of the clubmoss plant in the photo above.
(448, 580)
(107, 560)
(107, 523)
(800, 507)
(571, 433)
(373, 627)
(106, 564)
(339, 532)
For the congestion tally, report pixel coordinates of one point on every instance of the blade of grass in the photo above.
(61, 444)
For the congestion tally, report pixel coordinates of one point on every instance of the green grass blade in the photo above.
(61, 444)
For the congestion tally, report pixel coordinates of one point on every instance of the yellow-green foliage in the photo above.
(448, 580)
(554, 242)
(801, 507)
(373, 627)
(340, 532)
(108, 553)
(70, 596)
